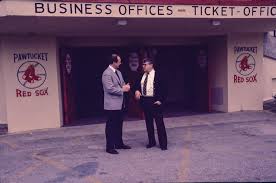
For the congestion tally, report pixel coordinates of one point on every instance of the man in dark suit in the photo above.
(114, 88)
(151, 90)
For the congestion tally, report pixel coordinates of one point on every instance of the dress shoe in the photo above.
(150, 145)
(123, 147)
(112, 151)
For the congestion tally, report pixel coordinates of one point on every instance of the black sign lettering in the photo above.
(150, 10)
(78, 9)
(72, 8)
(238, 49)
(39, 8)
(206, 10)
(99, 9)
(17, 57)
(273, 11)
(169, 9)
(195, 10)
(52, 9)
(122, 9)
(63, 8)
(160, 10)
(131, 8)
(108, 9)
(88, 8)
(232, 10)
(246, 11)
(224, 11)
(215, 11)
(139, 9)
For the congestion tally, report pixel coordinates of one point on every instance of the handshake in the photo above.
(126, 88)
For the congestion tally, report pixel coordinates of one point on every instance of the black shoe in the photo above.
(123, 147)
(164, 148)
(112, 151)
(150, 145)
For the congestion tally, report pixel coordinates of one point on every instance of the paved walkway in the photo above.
(211, 147)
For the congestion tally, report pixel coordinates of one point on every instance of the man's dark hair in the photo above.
(148, 60)
(114, 58)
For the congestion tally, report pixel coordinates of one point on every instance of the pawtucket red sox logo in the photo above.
(245, 64)
(31, 74)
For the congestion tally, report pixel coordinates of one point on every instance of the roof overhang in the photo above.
(101, 19)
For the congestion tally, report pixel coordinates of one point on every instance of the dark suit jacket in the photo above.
(160, 87)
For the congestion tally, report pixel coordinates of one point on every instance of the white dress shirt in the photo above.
(150, 83)
(114, 70)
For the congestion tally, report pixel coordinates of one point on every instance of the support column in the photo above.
(245, 61)
(31, 75)
(3, 105)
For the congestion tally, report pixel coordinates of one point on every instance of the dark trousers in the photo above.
(114, 129)
(154, 112)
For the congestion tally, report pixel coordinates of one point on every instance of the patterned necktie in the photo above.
(145, 85)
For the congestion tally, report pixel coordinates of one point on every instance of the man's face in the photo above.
(117, 64)
(147, 67)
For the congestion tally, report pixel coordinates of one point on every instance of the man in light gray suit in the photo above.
(114, 88)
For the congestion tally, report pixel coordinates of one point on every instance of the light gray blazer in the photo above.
(113, 92)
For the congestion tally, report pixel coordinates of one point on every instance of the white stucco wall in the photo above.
(26, 112)
(245, 95)
(3, 111)
(217, 57)
(269, 73)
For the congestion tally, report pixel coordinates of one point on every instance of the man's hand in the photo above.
(126, 88)
(157, 103)
(137, 95)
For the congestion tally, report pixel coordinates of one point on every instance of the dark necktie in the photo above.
(124, 105)
(145, 85)
(118, 76)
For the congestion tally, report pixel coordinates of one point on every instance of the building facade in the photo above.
(52, 54)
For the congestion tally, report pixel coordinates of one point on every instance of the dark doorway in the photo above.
(185, 68)
(89, 64)
(187, 78)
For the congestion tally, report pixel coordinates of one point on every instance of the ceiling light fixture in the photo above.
(122, 22)
(215, 22)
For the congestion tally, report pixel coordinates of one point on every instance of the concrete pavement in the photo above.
(211, 147)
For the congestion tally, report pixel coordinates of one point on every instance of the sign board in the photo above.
(245, 64)
(74, 9)
(185, 2)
